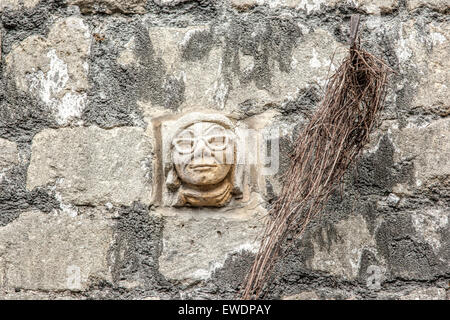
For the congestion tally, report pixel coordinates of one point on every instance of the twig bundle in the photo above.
(323, 151)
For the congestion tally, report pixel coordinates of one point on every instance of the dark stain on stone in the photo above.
(116, 89)
(270, 194)
(388, 51)
(444, 251)
(196, 8)
(21, 114)
(305, 103)
(266, 40)
(376, 173)
(15, 198)
(135, 251)
(228, 279)
(292, 273)
(368, 210)
(198, 46)
(23, 22)
(405, 256)
(341, 33)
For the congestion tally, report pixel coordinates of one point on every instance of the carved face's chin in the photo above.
(203, 174)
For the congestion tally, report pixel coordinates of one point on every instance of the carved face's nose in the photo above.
(201, 152)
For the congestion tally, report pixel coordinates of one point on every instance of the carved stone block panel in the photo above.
(210, 159)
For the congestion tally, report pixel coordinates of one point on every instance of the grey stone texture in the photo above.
(109, 6)
(91, 166)
(312, 6)
(438, 5)
(17, 4)
(196, 243)
(83, 84)
(42, 251)
(54, 69)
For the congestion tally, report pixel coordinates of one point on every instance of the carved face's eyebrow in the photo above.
(186, 133)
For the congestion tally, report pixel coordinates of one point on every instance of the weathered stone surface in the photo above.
(429, 225)
(429, 149)
(407, 255)
(201, 76)
(340, 255)
(311, 6)
(261, 63)
(54, 252)
(428, 57)
(424, 294)
(192, 57)
(197, 242)
(437, 74)
(17, 4)
(308, 64)
(110, 6)
(431, 293)
(438, 5)
(91, 165)
(11, 294)
(8, 154)
(306, 295)
(54, 68)
(171, 2)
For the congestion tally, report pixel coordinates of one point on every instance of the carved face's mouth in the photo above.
(202, 166)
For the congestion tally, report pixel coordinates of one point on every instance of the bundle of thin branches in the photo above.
(323, 152)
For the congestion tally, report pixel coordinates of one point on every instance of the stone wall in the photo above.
(84, 85)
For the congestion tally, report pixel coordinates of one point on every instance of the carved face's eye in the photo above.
(217, 138)
(185, 143)
(217, 142)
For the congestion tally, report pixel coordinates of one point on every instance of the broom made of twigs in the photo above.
(323, 152)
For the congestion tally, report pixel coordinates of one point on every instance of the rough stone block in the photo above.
(429, 225)
(110, 6)
(429, 149)
(339, 252)
(93, 166)
(171, 2)
(424, 52)
(438, 5)
(17, 4)
(424, 294)
(55, 68)
(198, 241)
(437, 74)
(41, 251)
(311, 6)
(306, 295)
(200, 75)
(195, 57)
(11, 294)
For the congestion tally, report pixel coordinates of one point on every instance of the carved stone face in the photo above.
(203, 153)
